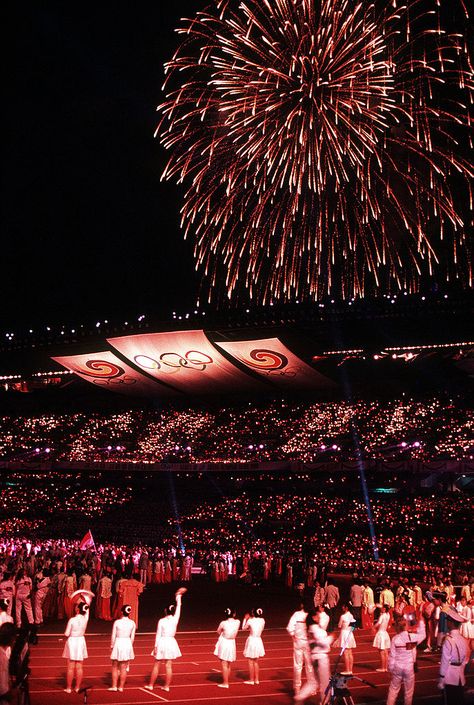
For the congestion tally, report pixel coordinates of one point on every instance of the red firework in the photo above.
(322, 143)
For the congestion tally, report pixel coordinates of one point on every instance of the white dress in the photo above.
(166, 647)
(254, 645)
(466, 628)
(75, 647)
(225, 646)
(382, 638)
(346, 635)
(123, 635)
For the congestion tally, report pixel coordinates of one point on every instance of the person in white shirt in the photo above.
(43, 582)
(401, 660)
(23, 590)
(123, 636)
(7, 639)
(453, 660)
(320, 645)
(225, 647)
(323, 619)
(297, 629)
(166, 647)
(4, 616)
(254, 648)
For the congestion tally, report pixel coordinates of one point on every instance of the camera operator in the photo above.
(8, 693)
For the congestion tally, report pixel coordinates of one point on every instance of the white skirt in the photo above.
(75, 648)
(225, 649)
(123, 649)
(346, 639)
(467, 630)
(381, 640)
(254, 647)
(166, 649)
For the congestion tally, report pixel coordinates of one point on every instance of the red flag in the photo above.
(87, 541)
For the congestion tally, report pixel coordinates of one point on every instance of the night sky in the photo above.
(88, 229)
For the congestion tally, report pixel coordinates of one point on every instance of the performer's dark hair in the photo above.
(82, 607)
(229, 612)
(257, 612)
(170, 610)
(126, 609)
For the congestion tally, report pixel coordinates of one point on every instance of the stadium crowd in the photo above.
(275, 431)
(255, 536)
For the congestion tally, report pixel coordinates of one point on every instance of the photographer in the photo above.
(8, 694)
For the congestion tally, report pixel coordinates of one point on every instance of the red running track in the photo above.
(197, 673)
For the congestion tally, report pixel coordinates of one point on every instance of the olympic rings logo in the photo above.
(192, 360)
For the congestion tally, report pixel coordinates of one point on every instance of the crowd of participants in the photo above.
(439, 619)
(292, 519)
(275, 431)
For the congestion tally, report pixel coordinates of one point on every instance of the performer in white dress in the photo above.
(346, 640)
(123, 636)
(254, 649)
(382, 638)
(4, 616)
(75, 649)
(225, 646)
(166, 647)
(467, 628)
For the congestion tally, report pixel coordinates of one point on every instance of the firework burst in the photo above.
(324, 145)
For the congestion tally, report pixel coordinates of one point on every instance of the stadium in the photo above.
(300, 444)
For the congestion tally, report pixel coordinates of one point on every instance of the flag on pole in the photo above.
(87, 541)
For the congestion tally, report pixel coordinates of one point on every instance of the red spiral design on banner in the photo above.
(102, 369)
(263, 359)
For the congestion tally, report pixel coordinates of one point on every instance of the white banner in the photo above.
(104, 369)
(185, 360)
(272, 360)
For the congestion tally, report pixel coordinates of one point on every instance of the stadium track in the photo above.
(197, 673)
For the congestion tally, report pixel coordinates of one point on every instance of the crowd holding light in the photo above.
(301, 520)
(276, 431)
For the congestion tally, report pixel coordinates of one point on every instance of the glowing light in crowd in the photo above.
(318, 141)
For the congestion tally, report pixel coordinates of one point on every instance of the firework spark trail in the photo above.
(317, 139)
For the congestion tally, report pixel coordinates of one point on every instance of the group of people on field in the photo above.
(166, 648)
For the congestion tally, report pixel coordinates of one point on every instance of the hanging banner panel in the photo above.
(272, 360)
(185, 360)
(104, 369)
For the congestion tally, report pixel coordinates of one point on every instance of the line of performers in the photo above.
(166, 648)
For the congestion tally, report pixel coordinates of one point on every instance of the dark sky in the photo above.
(88, 229)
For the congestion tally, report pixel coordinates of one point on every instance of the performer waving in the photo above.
(166, 647)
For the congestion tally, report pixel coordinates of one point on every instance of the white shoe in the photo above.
(148, 687)
(113, 688)
(67, 690)
(166, 688)
(249, 682)
(120, 690)
(222, 685)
